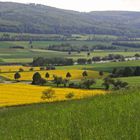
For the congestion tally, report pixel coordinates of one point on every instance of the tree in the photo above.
(107, 82)
(101, 73)
(84, 74)
(87, 83)
(58, 80)
(17, 76)
(42, 81)
(36, 78)
(68, 75)
(137, 71)
(128, 71)
(89, 61)
(47, 75)
(69, 52)
(82, 61)
(65, 82)
(88, 54)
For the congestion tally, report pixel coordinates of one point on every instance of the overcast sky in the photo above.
(88, 5)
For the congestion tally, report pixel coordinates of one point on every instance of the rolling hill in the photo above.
(36, 18)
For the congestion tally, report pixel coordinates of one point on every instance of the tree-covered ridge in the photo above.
(31, 18)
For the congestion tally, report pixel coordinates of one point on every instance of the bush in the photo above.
(48, 94)
(31, 69)
(74, 85)
(70, 95)
(21, 69)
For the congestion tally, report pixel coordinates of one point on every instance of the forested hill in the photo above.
(31, 18)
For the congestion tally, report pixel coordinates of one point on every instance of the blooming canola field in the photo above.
(20, 94)
(75, 74)
(13, 68)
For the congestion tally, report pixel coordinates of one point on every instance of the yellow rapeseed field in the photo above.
(76, 74)
(19, 94)
(11, 68)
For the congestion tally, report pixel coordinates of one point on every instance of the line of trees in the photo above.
(74, 48)
(40, 61)
(127, 44)
(109, 57)
(125, 72)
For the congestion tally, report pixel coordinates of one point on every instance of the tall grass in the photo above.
(108, 117)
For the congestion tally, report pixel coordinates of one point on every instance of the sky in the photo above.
(88, 5)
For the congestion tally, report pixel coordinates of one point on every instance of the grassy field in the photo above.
(8, 54)
(108, 67)
(107, 117)
(131, 80)
(75, 74)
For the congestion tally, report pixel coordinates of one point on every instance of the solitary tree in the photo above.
(36, 78)
(88, 54)
(101, 73)
(84, 74)
(47, 75)
(68, 75)
(17, 76)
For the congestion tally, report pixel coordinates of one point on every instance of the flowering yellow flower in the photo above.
(18, 94)
(75, 74)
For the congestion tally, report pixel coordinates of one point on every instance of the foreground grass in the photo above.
(107, 117)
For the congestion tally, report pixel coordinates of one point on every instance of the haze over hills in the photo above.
(31, 18)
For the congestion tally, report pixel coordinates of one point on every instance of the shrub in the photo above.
(42, 81)
(21, 69)
(48, 94)
(31, 69)
(70, 95)
(74, 85)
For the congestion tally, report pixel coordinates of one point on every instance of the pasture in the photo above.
(108, 67)
(27, 54)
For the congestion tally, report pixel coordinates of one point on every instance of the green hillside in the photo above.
(108, 117)
(31, 18)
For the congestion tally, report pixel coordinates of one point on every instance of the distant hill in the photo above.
(31, 18)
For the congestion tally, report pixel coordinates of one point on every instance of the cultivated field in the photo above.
(14, 68)
(27, 54)
(19, 94)
(75, 74)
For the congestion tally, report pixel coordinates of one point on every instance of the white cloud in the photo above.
(89, 5)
